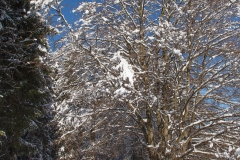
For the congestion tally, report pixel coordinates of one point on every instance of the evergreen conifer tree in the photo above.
(25, 96)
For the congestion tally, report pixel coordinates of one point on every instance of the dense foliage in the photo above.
(25, 96)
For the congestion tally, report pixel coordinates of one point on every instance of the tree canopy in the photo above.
(154, 79)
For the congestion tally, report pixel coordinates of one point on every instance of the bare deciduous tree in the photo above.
(163, 73)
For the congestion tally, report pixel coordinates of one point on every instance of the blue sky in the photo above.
(72, 4)
(67, 10)
(68, 6)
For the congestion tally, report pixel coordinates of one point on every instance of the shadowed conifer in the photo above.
(25, 97)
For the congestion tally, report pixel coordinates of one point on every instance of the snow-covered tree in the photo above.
(157, 78)
(25, 94)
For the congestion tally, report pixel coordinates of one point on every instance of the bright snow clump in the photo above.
(126, 69)
(237, 153)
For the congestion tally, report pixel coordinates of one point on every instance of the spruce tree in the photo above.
(24, 83)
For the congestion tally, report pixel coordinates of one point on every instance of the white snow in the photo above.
(42, 48)
(40, 1)
(126, 69)
(120, 91)
(177, 52)
(62, 149)
(151, 38)
(237, 153)
(89, 6)
(116, 1)
(211, 144)
(104, 18)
